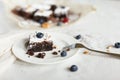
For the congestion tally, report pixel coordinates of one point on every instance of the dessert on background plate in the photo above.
(45, 15)
(43, 47)
(38, 14)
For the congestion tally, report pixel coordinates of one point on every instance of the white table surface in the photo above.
(106, 21)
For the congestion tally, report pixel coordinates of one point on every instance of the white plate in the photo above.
(60, 40)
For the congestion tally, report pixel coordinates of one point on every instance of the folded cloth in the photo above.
(6, 60)
(6, 56)
(99, 42)
(96, 41)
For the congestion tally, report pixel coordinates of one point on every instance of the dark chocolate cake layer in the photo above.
(43, 46)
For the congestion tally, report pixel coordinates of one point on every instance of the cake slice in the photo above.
(39, 42)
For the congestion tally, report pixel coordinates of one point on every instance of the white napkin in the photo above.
(95, 41)
(99, 42)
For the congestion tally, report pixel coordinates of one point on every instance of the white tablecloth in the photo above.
(106, 21)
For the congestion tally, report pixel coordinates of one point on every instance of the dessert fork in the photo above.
(80, 45)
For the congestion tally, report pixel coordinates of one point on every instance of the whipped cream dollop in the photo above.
(33, 38)
(45, 13)
(62, 10)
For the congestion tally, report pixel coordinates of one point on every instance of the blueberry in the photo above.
(63, 53)
(73, 68)
(41, 21)
(117, 45)
(59, 23)
(39, 35)
(78, 37)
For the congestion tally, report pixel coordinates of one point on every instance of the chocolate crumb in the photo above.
(110, 46)
(68, 49)
(41, 55)
(54, 53)
(59, 51)
(29, 52)
(85, 52)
